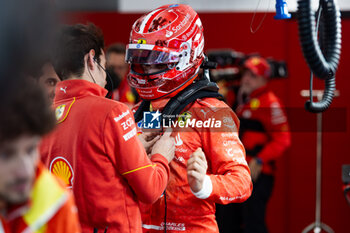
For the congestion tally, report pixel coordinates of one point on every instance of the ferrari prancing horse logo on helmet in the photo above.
(62, 169)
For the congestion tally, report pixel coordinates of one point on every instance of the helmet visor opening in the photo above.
(145, 82)
(148, 70)
(150, 54)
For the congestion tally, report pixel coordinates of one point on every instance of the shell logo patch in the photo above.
(184, 116)
(59, 111)
(254, 104)
(62, 169)
(141, 41)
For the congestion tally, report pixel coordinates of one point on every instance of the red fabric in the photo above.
(64, 220)
(227, 169)
(124, 93)
(4, 226)
(264, 107)
(96, 137)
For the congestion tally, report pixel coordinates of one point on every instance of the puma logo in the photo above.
(63, 89)
(204, 113)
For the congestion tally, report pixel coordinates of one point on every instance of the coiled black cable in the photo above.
(323, 63)
(316, 107)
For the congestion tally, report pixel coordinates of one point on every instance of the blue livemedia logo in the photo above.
(152, 120)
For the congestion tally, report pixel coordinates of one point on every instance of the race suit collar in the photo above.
(77, 87)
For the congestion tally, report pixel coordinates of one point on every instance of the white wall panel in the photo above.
(137, 6)
(217, 5)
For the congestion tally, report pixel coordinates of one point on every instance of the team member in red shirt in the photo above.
(115, 56)
(31, 198)
(265, 134)
(165, 54)
(95, 148)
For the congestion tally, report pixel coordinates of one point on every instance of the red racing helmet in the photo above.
(171, 37)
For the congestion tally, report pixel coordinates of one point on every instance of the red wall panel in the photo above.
(293, 202)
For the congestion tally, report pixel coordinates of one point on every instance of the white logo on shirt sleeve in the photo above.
(121, 116)
(128, 123)
(130, 134)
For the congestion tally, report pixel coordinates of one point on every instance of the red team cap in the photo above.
(259, 66)
(172, 36)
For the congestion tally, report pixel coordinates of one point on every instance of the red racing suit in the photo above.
(96, 151)
(264, 128)
(227, 172)
(51, 209)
